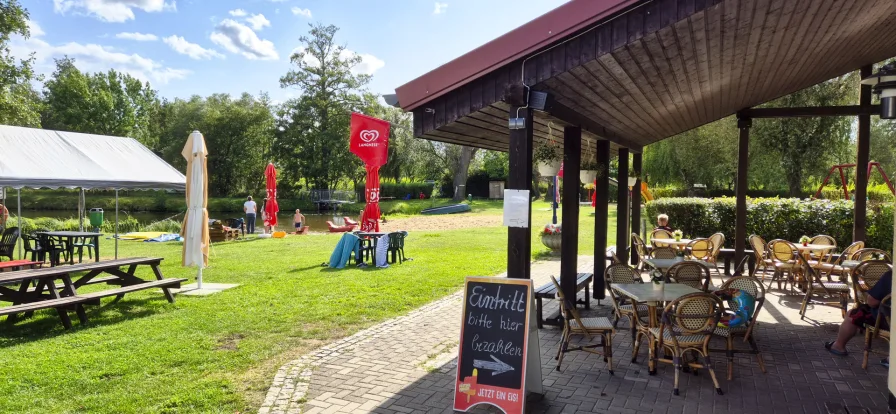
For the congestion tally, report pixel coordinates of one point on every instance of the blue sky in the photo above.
(188, 47)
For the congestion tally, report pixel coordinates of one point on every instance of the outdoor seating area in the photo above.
(36, 289)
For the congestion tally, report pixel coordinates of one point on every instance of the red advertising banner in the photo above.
(494, 344)
(370, 139)
(370, 142)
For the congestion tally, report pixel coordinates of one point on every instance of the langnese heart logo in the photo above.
(369, 135)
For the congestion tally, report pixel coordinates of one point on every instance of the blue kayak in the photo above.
(454, 208)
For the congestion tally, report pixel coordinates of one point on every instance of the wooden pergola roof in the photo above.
(640, 71)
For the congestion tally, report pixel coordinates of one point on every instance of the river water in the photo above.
(318, 222)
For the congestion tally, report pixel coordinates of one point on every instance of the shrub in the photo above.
(774, 218)
(396, 190)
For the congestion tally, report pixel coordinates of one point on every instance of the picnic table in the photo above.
(19, 265)
(69, 237)
(48, 295)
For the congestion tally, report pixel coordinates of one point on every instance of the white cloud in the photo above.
(93, 58)
(368, 65)
(238, 13)
(258, 22)
(298, 11)
(140, 37)
(440, 8)
(239, 38)
(116, 11)
(34, 29)
(194, 51)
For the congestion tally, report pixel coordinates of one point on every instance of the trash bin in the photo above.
(96, 217)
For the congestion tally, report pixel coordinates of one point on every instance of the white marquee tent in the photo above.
(39, 158)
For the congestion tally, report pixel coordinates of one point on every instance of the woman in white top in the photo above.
(250, 210)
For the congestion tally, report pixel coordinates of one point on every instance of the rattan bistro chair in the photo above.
(881, 329)
(624, 307)
(687, 324)
(815, 285)
(760, 253)
(871, 254)
(663, 253)
(835, 267)
(700, 249)
(573, 324)
(755, 288)
(660, 234)
(718, 241)
(641, 249)
(692, 274)
(865, 276)
(782, 253)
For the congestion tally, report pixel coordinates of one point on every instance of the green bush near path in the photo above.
(774, 218)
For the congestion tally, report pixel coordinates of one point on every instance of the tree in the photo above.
(807, 146)
(19, 103)
(685, 158)
(110, 103)
(238, 133)
(314, 129)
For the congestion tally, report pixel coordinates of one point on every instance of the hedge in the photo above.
(774, 218)
(398, 190)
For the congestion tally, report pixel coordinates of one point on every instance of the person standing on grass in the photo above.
(250, 209)
(4, 215)
(299, 219)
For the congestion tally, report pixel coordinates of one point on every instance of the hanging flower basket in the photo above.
(548, 169)
(551, 237)
(588, 176)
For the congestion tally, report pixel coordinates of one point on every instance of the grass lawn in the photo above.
(219, 353)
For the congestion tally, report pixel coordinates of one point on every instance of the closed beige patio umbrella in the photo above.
(195, 227)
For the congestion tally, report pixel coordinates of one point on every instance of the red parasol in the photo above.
(271, 208)
(370, 142)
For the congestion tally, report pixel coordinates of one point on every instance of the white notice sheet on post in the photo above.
(516, 208)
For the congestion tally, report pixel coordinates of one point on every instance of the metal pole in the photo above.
(19, 216)
(116, 224)
(81, 203)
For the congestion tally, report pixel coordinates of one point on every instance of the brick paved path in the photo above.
(407, 365)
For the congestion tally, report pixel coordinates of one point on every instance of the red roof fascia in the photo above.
(526, 39)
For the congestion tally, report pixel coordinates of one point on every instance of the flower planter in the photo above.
(587, 176)
(551, 241)
(548, 169)
(632, 181)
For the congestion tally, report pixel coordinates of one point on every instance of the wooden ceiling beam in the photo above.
(809, 112)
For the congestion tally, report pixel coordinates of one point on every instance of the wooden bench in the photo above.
(48, 295)
(14, 265)
(549, 291)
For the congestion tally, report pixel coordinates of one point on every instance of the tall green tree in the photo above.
(238, 133)
(313, 142)
(106, 103)
(807, 146)
(19, 102)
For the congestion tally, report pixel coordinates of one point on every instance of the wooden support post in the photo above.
(601, 216)
(636, 202)
(622, 208)
(519, 240)
(569, 251)
(863, 143)
(740, 189)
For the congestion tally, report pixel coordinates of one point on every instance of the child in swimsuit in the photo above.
(299, 219)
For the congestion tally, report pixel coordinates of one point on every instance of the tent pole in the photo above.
(116, 224)
(18, 216)
(199, 278)
(81, 210)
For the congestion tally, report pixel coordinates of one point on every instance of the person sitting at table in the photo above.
(861, 315)
(662, 223)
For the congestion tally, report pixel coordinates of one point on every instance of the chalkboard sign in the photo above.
(495, 335)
